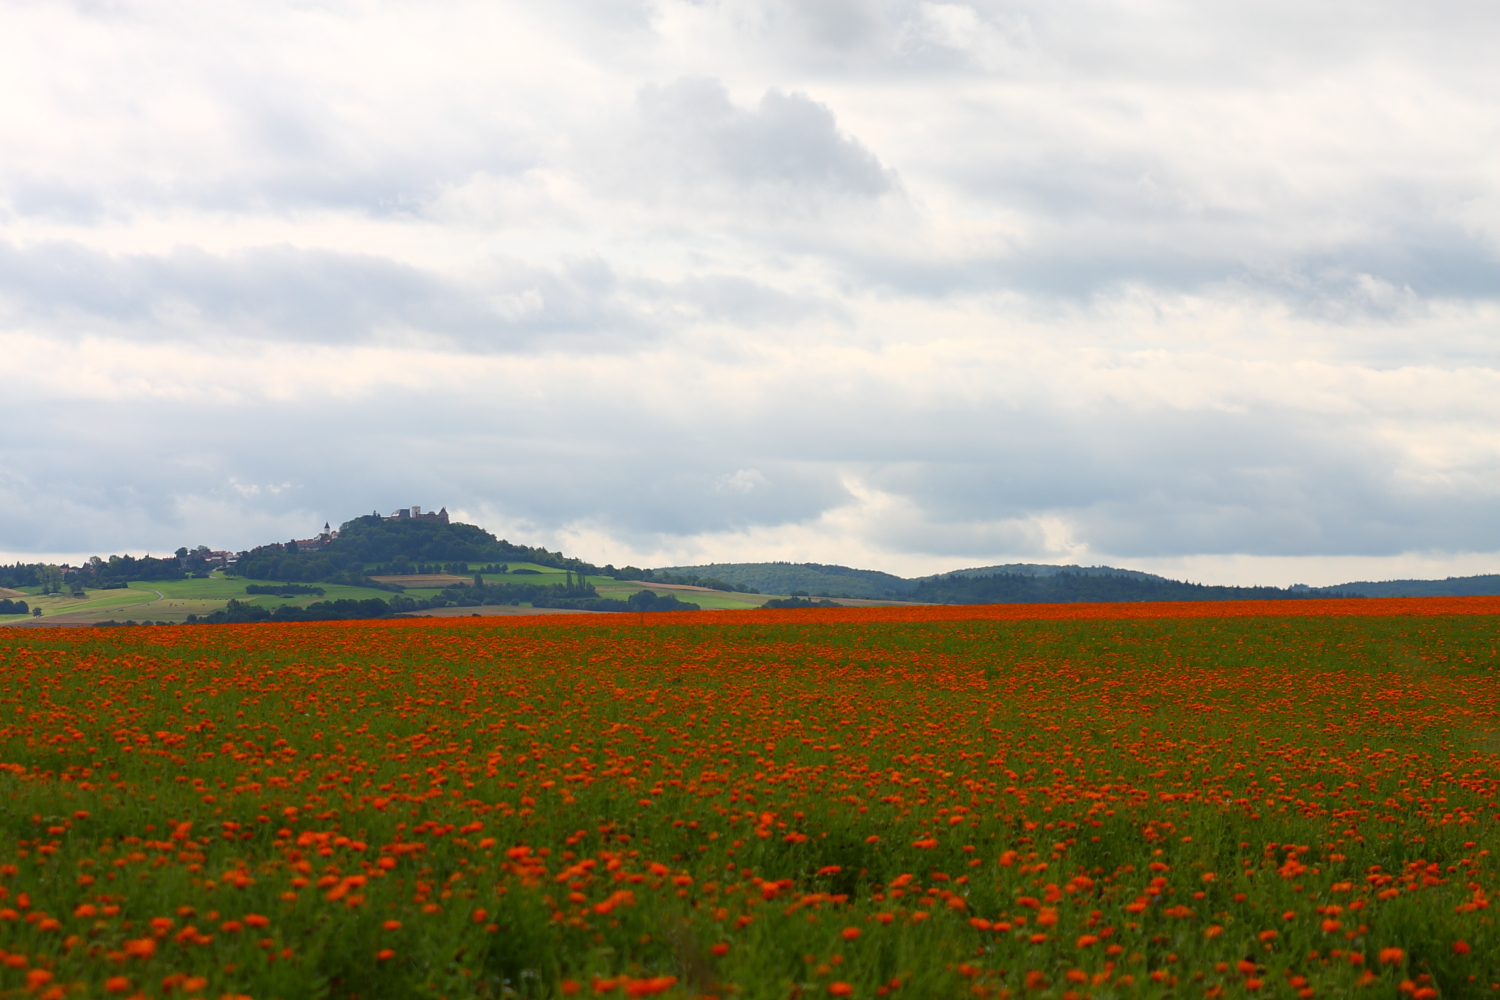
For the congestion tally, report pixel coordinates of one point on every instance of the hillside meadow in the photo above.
(1285, 799)
(171, 601)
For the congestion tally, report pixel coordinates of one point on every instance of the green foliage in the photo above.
(371, 539)
(694, 580)
(343, 609)
(646, 600)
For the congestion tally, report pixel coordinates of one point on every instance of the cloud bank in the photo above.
(902, 285)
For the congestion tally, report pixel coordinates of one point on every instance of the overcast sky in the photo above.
(1204, 288)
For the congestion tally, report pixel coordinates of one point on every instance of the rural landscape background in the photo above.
(913, 286)
(988, 499)
(376, 566)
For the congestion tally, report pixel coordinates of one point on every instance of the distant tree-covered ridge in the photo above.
(1453, 586)
(1026, 583)
(821, 580)
(1069, 588)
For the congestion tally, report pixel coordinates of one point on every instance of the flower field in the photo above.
(1291, 799)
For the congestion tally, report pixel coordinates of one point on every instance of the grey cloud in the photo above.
(287, 293)
(583, 451)
(1148, 483)
(1214, 46)
(280, 291)
(695, 133)
(159, 474)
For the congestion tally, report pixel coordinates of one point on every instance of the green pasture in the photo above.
(94, 601)
(707, 600)
(173, 600)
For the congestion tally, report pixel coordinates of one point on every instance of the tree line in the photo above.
(1070, 588)
(348, 609)
(112, 573)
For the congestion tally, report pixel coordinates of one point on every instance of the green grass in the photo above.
(707, 600)
(174, 600)
(180, 598)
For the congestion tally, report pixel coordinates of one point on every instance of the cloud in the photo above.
(903, 284)
(693, 141)
(312, 295)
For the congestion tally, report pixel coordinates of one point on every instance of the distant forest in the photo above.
(1070, 588)
(1034, 583)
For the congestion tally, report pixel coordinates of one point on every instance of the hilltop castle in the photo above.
(415, 514)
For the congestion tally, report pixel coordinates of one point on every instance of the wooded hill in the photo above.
(370, 539)
(1035, 583)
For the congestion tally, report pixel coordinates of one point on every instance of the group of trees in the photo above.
(10, 607)
(44, 576)
(479, 593)
(372, 539)
(106, 574)
(343, 609)
(277, 562)
(402, 565)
